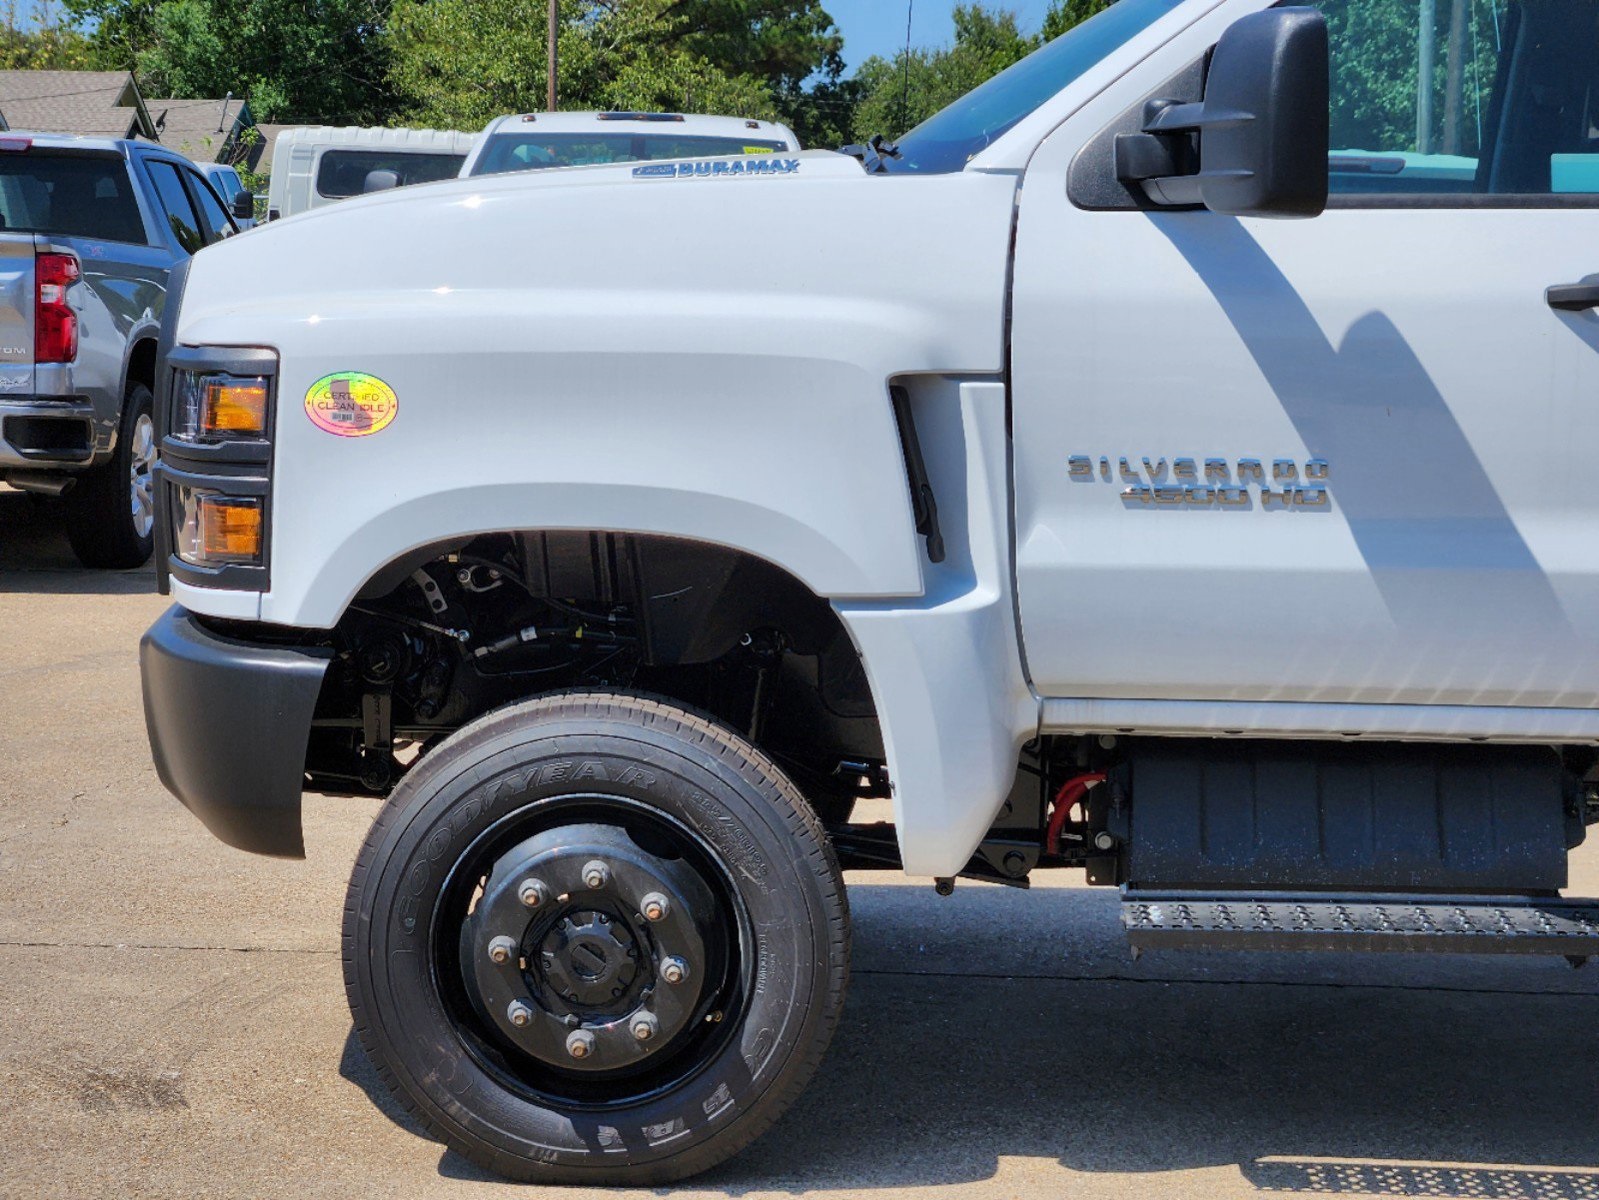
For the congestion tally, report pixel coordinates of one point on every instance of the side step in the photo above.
(1413, 924)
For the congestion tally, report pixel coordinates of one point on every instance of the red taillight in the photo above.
(55, 325)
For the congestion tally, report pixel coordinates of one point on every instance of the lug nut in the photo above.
(519, 1014)
(500, 950)
(674, 970)
(645, 1026)
(532, 893)
(580, 1043)
(655, 906)
(596, 874)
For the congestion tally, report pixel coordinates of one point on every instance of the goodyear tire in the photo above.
(111, 510)
(595, 938)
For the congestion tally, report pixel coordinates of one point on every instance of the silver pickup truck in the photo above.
(90, 230)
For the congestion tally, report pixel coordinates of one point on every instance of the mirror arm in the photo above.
(1168, 116)
(1164, 158)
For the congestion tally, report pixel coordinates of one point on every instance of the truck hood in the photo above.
(741, 241)
(813, 164)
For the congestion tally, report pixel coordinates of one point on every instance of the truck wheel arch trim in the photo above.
(459, 514)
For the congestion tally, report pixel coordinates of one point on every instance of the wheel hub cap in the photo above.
(589, 961)
(141, 476)
(585, 960)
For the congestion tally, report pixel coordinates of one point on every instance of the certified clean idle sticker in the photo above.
(351, 404)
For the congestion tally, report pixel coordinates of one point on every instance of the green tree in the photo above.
(295, 60)
(461, 62)
(1068, 14)
(821, 112)
(41, 38)
(900, 94)
(117, 31)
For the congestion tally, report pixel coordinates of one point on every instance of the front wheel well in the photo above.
(451, 631)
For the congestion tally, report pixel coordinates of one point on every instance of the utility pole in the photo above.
(1427, 63)
(555, 23)
(1455, 89)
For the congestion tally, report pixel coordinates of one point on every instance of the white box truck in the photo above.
(319, 165)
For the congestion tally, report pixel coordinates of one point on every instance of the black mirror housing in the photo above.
(1256, 145)
(243, 206)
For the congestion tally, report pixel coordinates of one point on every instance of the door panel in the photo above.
(1421, 526)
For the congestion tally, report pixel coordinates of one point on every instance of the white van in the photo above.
(531, 141)
(319, 164)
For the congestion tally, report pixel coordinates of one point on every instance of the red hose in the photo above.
(1073, 790)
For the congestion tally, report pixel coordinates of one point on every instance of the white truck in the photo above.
(1036, 482)
(317, 165)
(539, 141)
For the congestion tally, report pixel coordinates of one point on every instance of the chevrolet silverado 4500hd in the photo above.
(1037, 481)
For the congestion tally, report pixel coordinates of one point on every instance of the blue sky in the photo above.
(878, 26)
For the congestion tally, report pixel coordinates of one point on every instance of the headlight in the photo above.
(211, 530)
(216, 407)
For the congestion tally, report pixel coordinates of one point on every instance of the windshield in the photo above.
(532, 151)
(948, 140)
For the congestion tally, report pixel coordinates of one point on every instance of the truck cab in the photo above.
(1185, 489)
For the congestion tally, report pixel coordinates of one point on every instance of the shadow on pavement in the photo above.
(35, 555)
(358, 1069)
(1365, 1077)
(932, 1081)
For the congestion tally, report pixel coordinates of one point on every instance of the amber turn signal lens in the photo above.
(237, 407)
(230, 530)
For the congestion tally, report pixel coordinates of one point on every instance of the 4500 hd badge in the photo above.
(1284, 483)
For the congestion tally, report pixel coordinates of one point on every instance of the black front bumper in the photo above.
(228, 723)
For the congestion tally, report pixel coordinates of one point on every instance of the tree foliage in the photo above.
(461, 62)
(898, 94)
(458, 63)
(1376, 66)
(117, 31)
(1068, 14)
(296, 60)
(41, 37)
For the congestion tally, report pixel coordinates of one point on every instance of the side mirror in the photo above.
(1256, 145)
(380, 180)
(244, 206)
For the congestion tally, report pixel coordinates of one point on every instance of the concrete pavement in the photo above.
(172, 1021)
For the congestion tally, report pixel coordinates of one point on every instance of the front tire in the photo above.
(111, 510)
(595, 938)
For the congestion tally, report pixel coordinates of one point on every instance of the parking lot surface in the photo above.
(172, 1021)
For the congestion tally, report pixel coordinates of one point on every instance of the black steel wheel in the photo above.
(595, 938)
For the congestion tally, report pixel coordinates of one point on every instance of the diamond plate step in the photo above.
(1424, 924)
